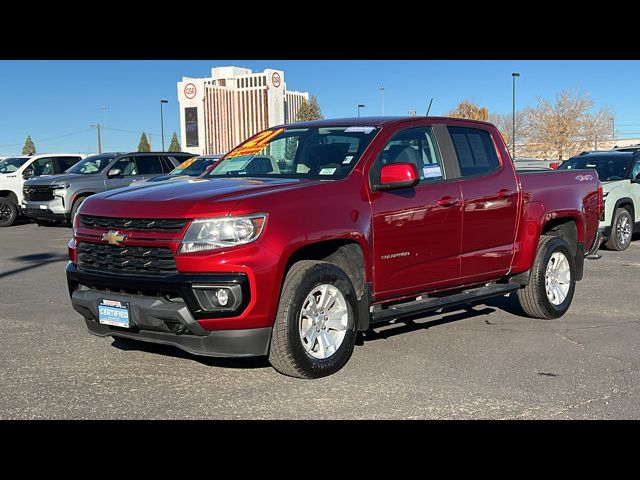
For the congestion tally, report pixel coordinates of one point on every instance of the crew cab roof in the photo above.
(376, 121)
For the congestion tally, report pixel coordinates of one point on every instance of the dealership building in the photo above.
(219, 112)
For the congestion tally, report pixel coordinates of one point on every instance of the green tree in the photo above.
(466, 109)
(29, 147)
(175, 145)
(309, 110)
(144, 145)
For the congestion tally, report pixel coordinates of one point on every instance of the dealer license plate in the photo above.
(112, 312)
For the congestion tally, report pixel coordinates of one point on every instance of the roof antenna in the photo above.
(429, 108)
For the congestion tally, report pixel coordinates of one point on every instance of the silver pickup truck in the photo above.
(56, 199)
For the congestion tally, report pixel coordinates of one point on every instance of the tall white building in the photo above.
(219, 112)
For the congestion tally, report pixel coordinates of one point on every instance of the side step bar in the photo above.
(430, 304)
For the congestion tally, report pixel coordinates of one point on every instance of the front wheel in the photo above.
(315, 329)
(552, 282)
(8, 212)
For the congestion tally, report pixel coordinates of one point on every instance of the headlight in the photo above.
(60, 189)
(220, 232)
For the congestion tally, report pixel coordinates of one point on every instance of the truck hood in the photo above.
(613, 184)
(62, 178)
(191, 198)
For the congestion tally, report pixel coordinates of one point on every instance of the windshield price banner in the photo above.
(254, 145)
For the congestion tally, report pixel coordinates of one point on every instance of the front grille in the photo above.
(157, 224)
(112, 259)
(37, 193)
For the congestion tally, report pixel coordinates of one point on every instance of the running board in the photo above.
(430, 304)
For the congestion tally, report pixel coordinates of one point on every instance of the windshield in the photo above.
(9, 165)
(320, 152)
(93, 164)
(608, 167)
(193, 167)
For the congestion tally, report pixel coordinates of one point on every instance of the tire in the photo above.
(8, 212)
(621, 230)
(303, 356)
(534, 299)
(75, 208)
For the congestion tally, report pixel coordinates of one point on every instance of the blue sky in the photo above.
(55, 98)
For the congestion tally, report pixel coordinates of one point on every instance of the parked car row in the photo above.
(51, 187)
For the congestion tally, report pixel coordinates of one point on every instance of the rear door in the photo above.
(490, 192)
(417, 230)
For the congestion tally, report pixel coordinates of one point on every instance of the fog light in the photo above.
(214, 297)
(223, 296)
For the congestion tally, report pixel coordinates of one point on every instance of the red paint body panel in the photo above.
(426, 238)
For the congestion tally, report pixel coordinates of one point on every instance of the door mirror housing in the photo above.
(398, 175)
(114, 172)
(28, 172)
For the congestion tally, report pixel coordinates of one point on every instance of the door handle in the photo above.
(447, 201)
(504, 193)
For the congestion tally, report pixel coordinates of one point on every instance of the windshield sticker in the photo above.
(186, 163)
(431, 172)
(347, 160)
(359, 129)
(327, 171)
(254, 145)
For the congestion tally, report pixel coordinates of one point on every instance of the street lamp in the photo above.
(359, 106)
(104, 120)
(382, 95)
(513, 117)
(162, 122)
(97, 125)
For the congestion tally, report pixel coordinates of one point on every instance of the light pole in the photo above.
(359, 106)
(613, 129)
(162, 122)
(382, 95)
(513, 117)
(104, 119)
(97, 125)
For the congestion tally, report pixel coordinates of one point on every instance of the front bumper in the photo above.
(46, 209)
(166, 310)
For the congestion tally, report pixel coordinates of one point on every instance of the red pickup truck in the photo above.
(308, 233)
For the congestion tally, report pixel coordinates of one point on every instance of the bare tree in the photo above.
(504, 122)
(566, 127)
(466, 109)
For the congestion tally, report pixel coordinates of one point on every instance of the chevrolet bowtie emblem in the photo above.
(113, 237)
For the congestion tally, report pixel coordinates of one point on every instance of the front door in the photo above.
(128, 173)
(417, 230)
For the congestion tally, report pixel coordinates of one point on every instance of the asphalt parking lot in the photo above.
(489, 362)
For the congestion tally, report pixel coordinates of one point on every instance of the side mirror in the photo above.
(637, 179)
(398, 175)
(28, 172)
(114, 172)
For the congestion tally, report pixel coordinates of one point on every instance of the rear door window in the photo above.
(149, 165)
(62, 164)
(475, 150)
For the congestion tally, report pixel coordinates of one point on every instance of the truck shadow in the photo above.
(34, 261)
(127, 344)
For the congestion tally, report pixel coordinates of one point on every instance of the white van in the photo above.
(15, 170)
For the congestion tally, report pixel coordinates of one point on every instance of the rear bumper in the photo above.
(159, 320)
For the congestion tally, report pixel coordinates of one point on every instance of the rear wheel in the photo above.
(552, 282)
(8, 212)
(314, 332)
(621, 230)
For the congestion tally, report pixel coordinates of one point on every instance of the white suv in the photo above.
(15, 170)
